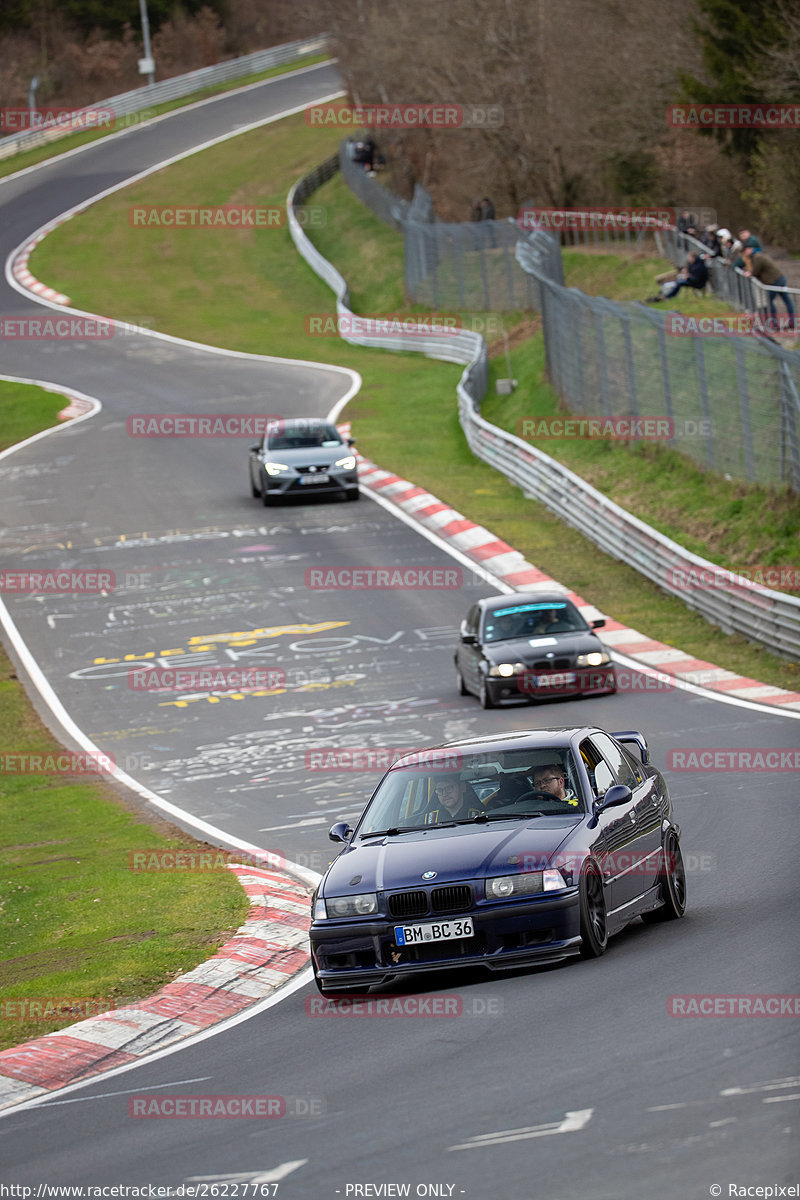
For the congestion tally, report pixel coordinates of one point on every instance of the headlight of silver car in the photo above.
(597, 658)
(347, 906)
(346, 464)
(275, 468)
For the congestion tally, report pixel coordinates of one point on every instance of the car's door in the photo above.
(639, 832)
(469, 654)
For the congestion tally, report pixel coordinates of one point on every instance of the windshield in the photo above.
(532, 621)
(303, 437)
(489, 785)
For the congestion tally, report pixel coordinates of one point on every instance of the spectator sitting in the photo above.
(766, 271)
(693, 275)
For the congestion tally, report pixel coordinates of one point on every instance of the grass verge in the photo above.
(28, 158)
(26, 409)
(250, 290)
(77, 922)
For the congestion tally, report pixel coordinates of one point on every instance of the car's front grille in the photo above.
(312, 470)
(408, 904)
(455, 898)
(552, 664)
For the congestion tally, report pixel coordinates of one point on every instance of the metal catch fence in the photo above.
(761, 614)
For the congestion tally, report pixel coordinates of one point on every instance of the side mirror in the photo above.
(340, 832)
(617, 795)
(469, 639)
(254, 449)
(351, 441)
(599, 624)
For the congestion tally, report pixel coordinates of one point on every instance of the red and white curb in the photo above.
(23, 276)
(77, 407)
(270, 948)
(507, 564)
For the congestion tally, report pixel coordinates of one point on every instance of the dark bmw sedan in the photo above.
(499, 852)
(300, 457)
(531, 645)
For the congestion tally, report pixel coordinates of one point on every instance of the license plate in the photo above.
(315, 478)
(441, 931)
(559, 680)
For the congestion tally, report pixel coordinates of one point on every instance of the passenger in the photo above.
(453, 800)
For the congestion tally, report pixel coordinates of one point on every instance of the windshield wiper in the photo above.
(394, 830)
(498, 816)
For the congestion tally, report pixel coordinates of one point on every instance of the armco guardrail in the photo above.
(738, 606)
(147, 97)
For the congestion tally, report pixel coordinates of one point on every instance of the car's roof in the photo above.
(492, 603)
(516, 739)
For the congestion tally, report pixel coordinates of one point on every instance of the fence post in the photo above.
(744, 410)
(703, 386)
(790, 413)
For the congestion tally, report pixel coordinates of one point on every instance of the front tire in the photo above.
(462, 687)
(355, 494)
(266, 499)
(594, 931)
(254, 492)
(485, 696)
(673, 884)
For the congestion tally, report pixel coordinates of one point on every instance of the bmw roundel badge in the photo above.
(429, 875)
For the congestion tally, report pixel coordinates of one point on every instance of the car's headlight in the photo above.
(597, 658)
(505, 670)
(501, 887)
(346, 464)
(347, 906)
(275, 468)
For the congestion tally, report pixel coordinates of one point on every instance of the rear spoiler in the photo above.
(630, 735)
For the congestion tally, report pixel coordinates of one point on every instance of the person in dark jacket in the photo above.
(693, 275)
(766, 271)
(453, 800)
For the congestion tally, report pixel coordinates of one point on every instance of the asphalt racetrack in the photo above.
(567, 1082)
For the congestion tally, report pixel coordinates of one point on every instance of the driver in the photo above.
(453, 800)
(551, 777)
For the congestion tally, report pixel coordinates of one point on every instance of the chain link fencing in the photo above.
(731, 402)
(737, 605)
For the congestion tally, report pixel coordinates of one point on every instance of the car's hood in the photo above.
(529, 650)
(319, 456)
(458, 853)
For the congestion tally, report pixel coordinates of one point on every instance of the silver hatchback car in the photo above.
(303, 456)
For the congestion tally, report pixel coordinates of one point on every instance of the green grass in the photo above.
(76, 922)
(25, 410)
(28, 158)
(251, 291)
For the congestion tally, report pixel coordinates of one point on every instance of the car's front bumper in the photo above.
(337, 483)
(575, 681)
(507, 935)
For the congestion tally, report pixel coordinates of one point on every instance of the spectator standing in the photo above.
(766, 271)
(487, 214)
